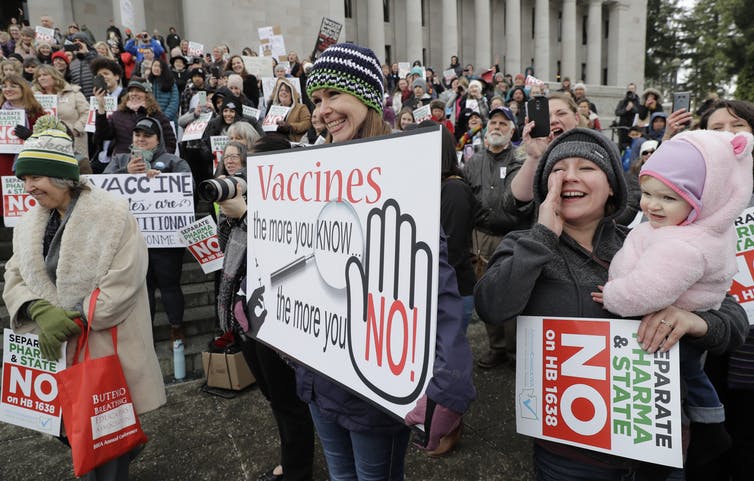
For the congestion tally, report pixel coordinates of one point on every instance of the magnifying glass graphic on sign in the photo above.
(337, 236)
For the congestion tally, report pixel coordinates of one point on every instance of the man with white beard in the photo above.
(486, 171)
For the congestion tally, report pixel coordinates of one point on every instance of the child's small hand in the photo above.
(598, 296)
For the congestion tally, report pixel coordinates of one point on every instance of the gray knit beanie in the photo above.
(586, 144)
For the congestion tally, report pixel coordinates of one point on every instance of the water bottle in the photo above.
(179, 360)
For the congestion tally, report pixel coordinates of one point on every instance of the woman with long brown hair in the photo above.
(135, 105)
(73, 107)
(250, 83)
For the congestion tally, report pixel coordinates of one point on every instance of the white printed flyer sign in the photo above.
(742, 287)
(111, 105)
(588, 383)
(201, 240)
(15, 200)
(258, 66)
(422, 113)
(277, 113)
(9, 143)
(196, 129)
(30, 389)
(162, 205)
(251, 112)
(49, 103)
(217, 143)
(343, 262)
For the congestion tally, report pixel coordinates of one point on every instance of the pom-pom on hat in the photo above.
(48, 153)
(352, 69)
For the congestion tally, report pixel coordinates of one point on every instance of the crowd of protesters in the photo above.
(503, 216)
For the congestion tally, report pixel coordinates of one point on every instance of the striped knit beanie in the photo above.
(351, 69)
(48, 153)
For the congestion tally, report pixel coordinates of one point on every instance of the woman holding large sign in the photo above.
(19, 110)
(360, 441)
(552, 269)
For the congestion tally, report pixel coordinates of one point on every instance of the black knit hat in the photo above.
(586, 144)
(351, 69)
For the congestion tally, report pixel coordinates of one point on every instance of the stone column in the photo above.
(594, 44)
(414, 35)
(542, 40)
(376, 28)
(449, 32)
(195, 15)
(483, 35)
(130, 13)
(568, 67)
(513, 37)
(60, 11)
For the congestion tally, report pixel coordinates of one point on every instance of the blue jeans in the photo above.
(702, 403)
(552, 467)
(356, 456)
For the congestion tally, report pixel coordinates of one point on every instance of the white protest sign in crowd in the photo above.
(201, 240)
(588, 383)
(277, 113)
(195, 49)
(322, 230)
(111, 105)
(15, 200)
(44, 34)
(258, 66)
(268, 86)
(422, 113)
(49, 103)
(217, 143)
(29, 396)
(162, 205)
(742, 287)
(195, 129)
(9, 143)
(251, 112)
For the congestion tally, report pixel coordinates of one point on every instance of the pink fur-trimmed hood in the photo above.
(711, 170)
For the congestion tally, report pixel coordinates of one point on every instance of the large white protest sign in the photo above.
(201, 240)
(251, 112)
(9, 143)
(217, 143)
(196, 129)
(49, 103)
(343, 261)
(195, 49)
(111, 105)
(162, 205)
(403, 69)
(15, 200)
(742, 287)
(277, 113)
(30, 389)
(268, 87)
(258, 66)
(588, 383)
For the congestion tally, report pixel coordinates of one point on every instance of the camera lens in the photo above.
(219, 190)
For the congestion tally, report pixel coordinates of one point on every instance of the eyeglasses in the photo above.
(648, 152)
(231, 156)
(467, 70)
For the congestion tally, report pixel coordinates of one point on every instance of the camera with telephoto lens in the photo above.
(219, 190)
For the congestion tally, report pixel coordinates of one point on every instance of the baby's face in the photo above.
(662, 205)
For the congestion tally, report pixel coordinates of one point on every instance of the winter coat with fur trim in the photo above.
(95, 252)
(690, 266)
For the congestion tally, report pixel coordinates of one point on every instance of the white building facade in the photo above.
(601, 42)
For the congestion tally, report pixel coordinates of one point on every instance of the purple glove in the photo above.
(438, 421)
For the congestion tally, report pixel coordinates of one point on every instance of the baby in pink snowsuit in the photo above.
(693, 188)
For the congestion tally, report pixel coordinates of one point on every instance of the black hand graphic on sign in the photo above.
(256, 310)
(389, 301)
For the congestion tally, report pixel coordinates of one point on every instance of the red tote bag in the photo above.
(98, 413)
